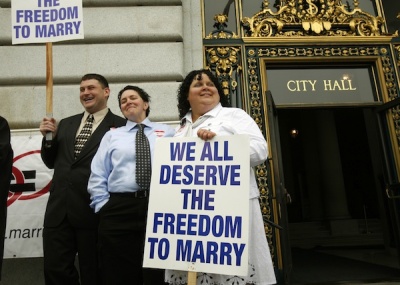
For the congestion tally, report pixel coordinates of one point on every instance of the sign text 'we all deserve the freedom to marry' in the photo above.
(205, 221)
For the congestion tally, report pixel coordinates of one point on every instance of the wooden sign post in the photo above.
(49, 79)
(49, 86)
(191, 278)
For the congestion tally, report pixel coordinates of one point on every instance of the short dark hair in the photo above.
(100, 78)
(143, 94)
(183, 91)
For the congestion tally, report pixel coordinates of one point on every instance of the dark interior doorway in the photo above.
(337, 216)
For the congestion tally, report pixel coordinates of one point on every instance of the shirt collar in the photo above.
(212, 113)
(98, 116)
(131, 125)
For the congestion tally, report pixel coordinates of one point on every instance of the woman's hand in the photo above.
(205, 134)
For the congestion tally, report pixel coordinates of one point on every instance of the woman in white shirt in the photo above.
(204, 112)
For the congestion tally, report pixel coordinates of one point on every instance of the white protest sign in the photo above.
(43, 21)
(198, 217)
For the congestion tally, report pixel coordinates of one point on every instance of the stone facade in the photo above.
(149, 43)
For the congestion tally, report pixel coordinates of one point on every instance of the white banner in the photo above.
(43, 21)
(198, 218)
(27, 198)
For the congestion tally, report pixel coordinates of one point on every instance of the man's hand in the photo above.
(48, 125)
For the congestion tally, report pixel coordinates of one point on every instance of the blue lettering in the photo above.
(198, 175)
(226, 155)
(77, 26)
(192, 224)
(217, 226)
(177, 151)
(216, 157)
(235, 174)
(180, 223)
(51, 31)
(176, 174)
(25, 31)
(183, 250)
(165, 174)
(198, 252)
(157, 221)
(206, 153)
(208, 252)
(233, 229)
(19, 14)
(226, 250)
(197, 199)
(48, 15)
(163, 249)
(204, 225)
(152, 242)
(238, 252)
(212, 248)
(209, 198)
(169, 223)
(211, 175)
(187, 173)
(41, 31)
(185, 193)
(60, 29)
(223, 174)
(28, 16)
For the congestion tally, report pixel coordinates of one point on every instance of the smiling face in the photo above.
(203, 96)
(93, 95)
(132, 106)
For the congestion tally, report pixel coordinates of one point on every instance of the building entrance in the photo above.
(339, 229)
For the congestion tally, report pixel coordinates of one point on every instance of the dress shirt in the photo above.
(98, 117)
(229, 121)
(114, 165)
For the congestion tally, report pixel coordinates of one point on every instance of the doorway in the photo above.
(339, 228)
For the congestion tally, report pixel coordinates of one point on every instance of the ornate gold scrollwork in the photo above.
(261, 170)
(220, 25)
(224, 61)
(397, 49)
(296, 18)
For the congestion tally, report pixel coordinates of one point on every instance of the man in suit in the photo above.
(70, 226)
(6, 162)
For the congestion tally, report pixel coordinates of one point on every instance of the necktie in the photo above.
(83, 135)
(143, 162)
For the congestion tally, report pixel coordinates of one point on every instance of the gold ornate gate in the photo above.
(295, 33)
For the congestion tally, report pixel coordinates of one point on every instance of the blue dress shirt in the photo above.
(113, 166)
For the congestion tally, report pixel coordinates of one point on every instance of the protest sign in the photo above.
(46, 21)
(42, 21)
(198, 217)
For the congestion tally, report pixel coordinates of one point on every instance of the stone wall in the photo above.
(149, 43)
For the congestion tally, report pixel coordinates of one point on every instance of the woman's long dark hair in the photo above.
(183, 91)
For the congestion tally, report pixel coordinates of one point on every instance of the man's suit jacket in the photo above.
(6, 162)
(68, 192)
